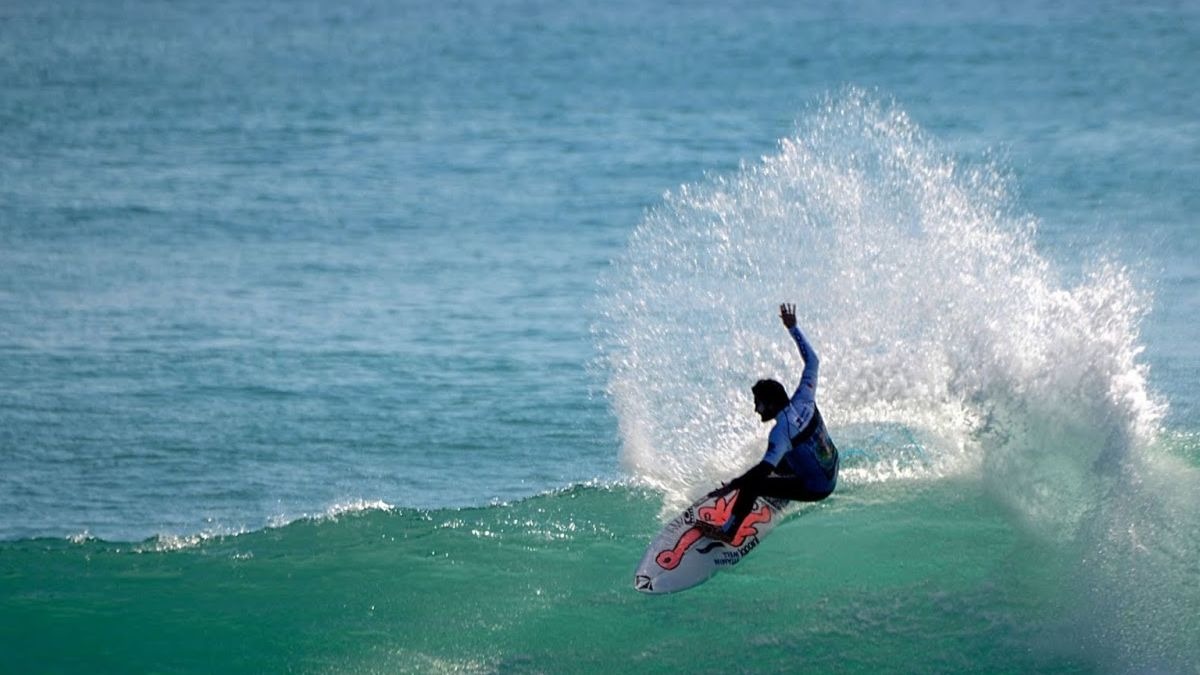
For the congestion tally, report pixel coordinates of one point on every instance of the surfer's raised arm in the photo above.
(806, 392)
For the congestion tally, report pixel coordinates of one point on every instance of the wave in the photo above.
(167, 542)
(546, 584)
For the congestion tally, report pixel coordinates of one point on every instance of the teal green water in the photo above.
(921, 576)
(545, 585)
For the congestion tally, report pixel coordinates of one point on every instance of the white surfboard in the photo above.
(680, 557)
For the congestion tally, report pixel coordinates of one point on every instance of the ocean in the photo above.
(383, 336)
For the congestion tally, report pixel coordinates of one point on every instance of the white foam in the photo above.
(357, 506)
(333, 512)
(164, 543)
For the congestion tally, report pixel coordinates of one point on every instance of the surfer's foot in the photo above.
(714, 531)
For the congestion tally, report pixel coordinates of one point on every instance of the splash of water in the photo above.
(917, 280)
(940, 327)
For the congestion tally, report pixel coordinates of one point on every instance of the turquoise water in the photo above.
(446, 590)
(382, 337)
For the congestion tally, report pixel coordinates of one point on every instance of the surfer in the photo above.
(801, 462)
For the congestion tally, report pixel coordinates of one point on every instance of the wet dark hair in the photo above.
(770, 392)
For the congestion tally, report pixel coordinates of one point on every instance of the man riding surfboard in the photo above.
(801, 462)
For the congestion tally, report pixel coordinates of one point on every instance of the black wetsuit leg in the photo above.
(780, 486)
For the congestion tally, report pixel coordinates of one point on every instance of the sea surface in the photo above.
(382, 336)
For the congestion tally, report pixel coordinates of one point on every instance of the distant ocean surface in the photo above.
(382, 337)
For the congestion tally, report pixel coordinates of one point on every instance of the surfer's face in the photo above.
(764, 410)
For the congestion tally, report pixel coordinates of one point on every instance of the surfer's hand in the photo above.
(788, 314)
(725, 489)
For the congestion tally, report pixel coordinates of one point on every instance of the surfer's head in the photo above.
(769, 399)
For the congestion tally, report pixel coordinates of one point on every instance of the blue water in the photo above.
(266, 264)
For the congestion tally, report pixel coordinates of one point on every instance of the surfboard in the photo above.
(680, 557)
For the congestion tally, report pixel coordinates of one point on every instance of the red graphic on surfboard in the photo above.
(716, 514)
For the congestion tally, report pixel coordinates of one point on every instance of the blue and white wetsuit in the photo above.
(798, 443)
(801, 462)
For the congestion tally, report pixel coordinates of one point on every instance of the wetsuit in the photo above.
(802, 458)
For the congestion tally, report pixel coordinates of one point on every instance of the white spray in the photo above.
(919, 284)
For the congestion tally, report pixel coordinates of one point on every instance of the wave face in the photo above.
(913, 575)
(949, 347)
